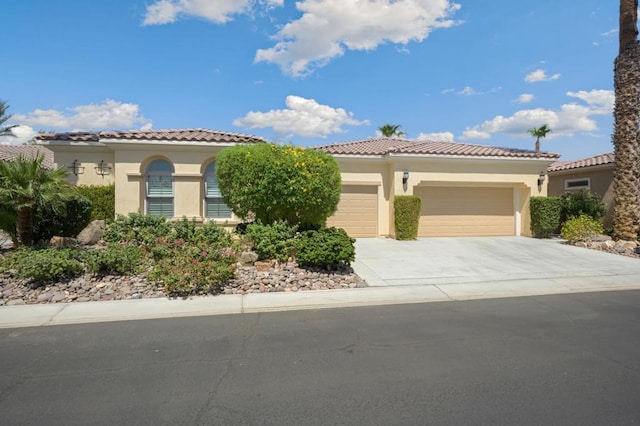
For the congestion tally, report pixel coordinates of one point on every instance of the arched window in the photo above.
(215, 208)
(159, 189)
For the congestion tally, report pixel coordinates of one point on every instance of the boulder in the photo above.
(92, 233)
(247, 258)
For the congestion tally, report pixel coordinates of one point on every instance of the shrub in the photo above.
(70, 220)
(210, 234)
(276, 241)
(406, 209)
(583, 202)
(103, 200)
(183, 229)
(279, 183)
(8, 219)
(326, 247)
(114, 259)
(48, 264)
(581, 228)
(137, 229)
(545, 215)
(193, 269)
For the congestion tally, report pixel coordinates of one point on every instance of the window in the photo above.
(584, 183)
(159, 189)
(215, 208)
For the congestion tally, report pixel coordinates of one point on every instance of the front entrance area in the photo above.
(466, 211)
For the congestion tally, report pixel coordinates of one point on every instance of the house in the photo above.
(465, 189)
(593, 173)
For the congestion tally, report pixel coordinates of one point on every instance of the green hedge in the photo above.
(71, 219)
(407, 216)
(546, 213)
(328, 248)
(582, 202)
(103, 200)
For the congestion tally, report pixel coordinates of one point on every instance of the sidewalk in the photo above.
(74, 313)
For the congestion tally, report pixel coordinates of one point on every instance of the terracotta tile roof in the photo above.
(10, 152)
(383, 146)
(596, 160)
(178, 135)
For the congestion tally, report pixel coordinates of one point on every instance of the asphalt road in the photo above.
(571, 359)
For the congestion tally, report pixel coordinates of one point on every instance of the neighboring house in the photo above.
(593, 173)
(11, 152)
(465, 189)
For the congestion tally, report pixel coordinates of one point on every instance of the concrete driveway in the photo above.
(493, 262)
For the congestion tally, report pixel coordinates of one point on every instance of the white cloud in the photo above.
(218, 11)
(21, 135)
(610, 32)
(329, 27)
(570, 118)
(303, 117)
(525, 98)
(467, 91)
(108, 115)
(540, 75)
(436, 136)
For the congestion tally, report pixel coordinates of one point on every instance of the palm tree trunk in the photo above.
(24, 226)
(538, 145)
(625, 140)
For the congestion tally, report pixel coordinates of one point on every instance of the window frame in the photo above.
(206, 197)
(150, 173)
(579, 187)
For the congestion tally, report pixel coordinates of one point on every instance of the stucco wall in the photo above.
(87, 160)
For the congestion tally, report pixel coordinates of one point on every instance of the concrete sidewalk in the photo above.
(427, 270)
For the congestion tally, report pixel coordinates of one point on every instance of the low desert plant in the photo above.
(326, 247)
(42, 265)
(275, 241)
(114, 259)
(137, 229)
(581, 228)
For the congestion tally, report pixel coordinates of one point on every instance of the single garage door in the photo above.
(466, 211)
(357, 211)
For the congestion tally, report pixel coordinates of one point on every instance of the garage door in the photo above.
(357, 211)
(472, 211)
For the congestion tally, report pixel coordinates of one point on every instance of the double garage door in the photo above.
(466, 211)
(446, 211)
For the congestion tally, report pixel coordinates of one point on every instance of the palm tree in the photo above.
(24, 185)
(5, 130)
(626, 119)
(539, 132)
(390, 130)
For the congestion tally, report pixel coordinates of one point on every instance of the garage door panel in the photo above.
(461, 211)
(357, 211)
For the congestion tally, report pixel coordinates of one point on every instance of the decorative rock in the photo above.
(247, 258)
(62, 241)
(92, 233)
(44, 297)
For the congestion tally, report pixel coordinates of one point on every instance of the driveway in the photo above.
(490, 261)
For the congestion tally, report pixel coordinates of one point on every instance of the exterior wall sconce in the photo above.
(541, 179)
(102, 169)
(405, 177)
(76, 168)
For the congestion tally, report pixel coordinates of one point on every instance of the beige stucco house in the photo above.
(593, 173)
(465, 189)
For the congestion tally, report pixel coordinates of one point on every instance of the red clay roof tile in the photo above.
(11, 152)
(596, 160)
(178, 135)
(384, 146)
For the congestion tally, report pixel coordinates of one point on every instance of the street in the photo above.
(563, 359)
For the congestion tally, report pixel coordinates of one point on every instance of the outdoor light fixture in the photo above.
(541, 179)
(76, 168)
(405, 177)
(102, 169)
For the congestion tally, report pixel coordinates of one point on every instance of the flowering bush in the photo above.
(279, 183)
(185, 268)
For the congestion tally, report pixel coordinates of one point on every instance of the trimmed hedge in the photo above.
(546, 213)
(72, 218)
(407, 216)
(103, 200)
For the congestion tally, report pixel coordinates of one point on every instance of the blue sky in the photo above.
(317, 71)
